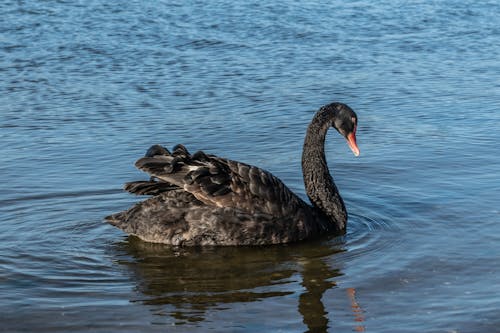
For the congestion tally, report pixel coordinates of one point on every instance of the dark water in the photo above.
(86, 87)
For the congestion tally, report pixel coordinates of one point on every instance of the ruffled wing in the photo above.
(217, 181)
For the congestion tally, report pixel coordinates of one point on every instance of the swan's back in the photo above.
(203, 199)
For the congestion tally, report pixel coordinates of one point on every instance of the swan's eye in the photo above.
(339, 123)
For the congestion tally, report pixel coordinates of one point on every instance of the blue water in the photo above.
(86, 87)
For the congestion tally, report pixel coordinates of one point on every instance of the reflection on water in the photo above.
(185, 283)
(357, 310)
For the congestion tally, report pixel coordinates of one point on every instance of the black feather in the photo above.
(148, 187)
(156, 150)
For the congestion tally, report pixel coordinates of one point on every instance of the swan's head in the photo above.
(345, 122)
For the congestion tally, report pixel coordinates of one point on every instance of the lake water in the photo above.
(87, 86)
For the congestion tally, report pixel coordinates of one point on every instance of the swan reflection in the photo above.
(187, 283)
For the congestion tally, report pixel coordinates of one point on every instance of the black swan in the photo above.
(203, 199)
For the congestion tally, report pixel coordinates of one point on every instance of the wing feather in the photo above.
(220, 182)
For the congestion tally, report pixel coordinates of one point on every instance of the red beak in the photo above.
(351, 141)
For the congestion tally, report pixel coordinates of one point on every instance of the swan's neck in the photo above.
(319, 184)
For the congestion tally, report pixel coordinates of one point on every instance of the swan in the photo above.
(200, 199)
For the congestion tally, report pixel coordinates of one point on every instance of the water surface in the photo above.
(87, 87)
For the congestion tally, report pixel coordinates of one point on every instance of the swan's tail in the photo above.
(118, 220)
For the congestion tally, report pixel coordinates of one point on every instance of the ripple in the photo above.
(369, 236)
(58, 195)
